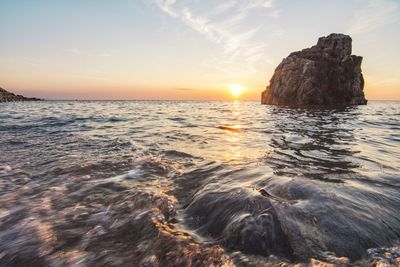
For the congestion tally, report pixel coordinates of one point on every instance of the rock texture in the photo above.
(6, 96)
(325, 74)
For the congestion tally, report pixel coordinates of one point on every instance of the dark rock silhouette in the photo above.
(6, 96)
(325, 74)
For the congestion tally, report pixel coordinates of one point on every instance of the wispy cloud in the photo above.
(235, 25)
(375, 15)
(184, 89)
(80, 52)
(75, 51)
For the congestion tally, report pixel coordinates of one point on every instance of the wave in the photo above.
(103, 183)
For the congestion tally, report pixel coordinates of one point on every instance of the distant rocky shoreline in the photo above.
(6, 96)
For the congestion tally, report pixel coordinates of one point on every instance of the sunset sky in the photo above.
(183, 49)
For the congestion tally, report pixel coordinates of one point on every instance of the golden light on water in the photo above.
(236, 90)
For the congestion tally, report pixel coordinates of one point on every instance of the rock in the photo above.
(6, 96)
(325, 74)
(317, 263)
(384, 256)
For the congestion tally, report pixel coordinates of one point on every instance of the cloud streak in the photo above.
(376, 14)
(233, 25)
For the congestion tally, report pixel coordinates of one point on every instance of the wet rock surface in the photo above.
(81, 221)
(325, 74)
(6, 96)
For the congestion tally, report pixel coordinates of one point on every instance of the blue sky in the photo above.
(183, 49)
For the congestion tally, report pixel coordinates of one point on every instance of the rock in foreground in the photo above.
(325, 74)
(6, 96)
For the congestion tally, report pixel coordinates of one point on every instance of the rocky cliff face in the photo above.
(325, 74)
(6, 96)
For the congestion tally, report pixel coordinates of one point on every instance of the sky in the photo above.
(183, 49)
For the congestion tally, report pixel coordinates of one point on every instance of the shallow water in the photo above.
(197, 183)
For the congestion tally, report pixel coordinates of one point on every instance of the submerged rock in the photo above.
(6, 96)
(325, 74)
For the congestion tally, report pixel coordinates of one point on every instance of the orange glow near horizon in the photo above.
(236, 90)
(375, 89)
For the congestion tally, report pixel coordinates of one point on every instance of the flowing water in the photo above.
(171, 183)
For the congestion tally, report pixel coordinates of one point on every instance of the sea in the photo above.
(198, 183)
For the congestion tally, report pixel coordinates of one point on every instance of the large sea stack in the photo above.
(325, 74)
(6, 96)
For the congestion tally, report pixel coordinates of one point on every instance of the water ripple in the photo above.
(198, 183)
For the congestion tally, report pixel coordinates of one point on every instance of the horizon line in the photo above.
(199, 100)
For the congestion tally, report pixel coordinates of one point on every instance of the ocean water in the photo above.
(187, 183)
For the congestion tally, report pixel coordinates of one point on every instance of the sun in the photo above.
(236, 90)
